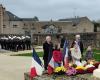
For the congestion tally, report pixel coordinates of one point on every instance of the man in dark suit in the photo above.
(47, 48)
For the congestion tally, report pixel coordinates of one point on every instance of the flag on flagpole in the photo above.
(65, 53)
(36, 68)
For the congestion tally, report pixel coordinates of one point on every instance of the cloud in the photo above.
(47, 9)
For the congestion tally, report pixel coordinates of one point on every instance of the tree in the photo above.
(36, 18)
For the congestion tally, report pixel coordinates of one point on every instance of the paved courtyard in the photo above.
(13, 67)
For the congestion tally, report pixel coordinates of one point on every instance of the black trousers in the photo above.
(45, 64)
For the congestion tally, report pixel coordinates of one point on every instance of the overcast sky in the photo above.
(53, 9)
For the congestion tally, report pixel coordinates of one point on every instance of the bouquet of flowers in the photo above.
(80, 69)
(90, 68)
(60, 70)
(96, 64)
(71, 71)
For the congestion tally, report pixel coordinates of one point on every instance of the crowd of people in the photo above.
(15, 43)
(56, 50)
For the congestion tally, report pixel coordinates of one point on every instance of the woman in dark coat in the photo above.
(47, 48)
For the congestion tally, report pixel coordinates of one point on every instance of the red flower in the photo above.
(80, 71)
(96, 64)
(90, 70)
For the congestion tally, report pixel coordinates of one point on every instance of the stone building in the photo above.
(1, 18)
(12, 24)
(96, 26)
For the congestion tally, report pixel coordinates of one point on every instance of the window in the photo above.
(32, 24)
(25, 24)
(51, 29)
(4, 26)
(27, 33)
(15, 26)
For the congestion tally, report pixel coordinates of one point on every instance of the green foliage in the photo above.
(40, 54)
(96, 54)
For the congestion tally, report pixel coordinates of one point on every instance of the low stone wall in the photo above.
(61, 77)
(87, 38)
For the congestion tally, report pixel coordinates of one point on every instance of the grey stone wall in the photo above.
(92, 39)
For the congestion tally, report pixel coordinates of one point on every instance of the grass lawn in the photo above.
(40, 54)
(97, 55)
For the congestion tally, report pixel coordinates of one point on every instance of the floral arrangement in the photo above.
(80, 69)
(60, 70)
(72, 65)
(91, 66)
(93, 62)
(90, 70)
(71, 71)
(96, 64)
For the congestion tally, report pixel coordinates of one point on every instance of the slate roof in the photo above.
(72, 19)
(27, 19)
(13, 17)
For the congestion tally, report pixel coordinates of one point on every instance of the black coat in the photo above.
(62, 42)
(81, 46)
(48, 48)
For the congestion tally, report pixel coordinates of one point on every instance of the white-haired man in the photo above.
(78, 40)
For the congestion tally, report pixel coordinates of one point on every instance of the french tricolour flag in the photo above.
(65, 53)
(36, 68)
(51, 66)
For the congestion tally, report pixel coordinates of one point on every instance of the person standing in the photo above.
(80, 43)
(47, 48)
(63, 39)
(75, 53)
(89, 54)
(57, 56)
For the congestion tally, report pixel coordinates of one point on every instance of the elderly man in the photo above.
(78, 40)
(48, 48)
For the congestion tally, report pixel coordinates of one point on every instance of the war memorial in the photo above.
(62, 49)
